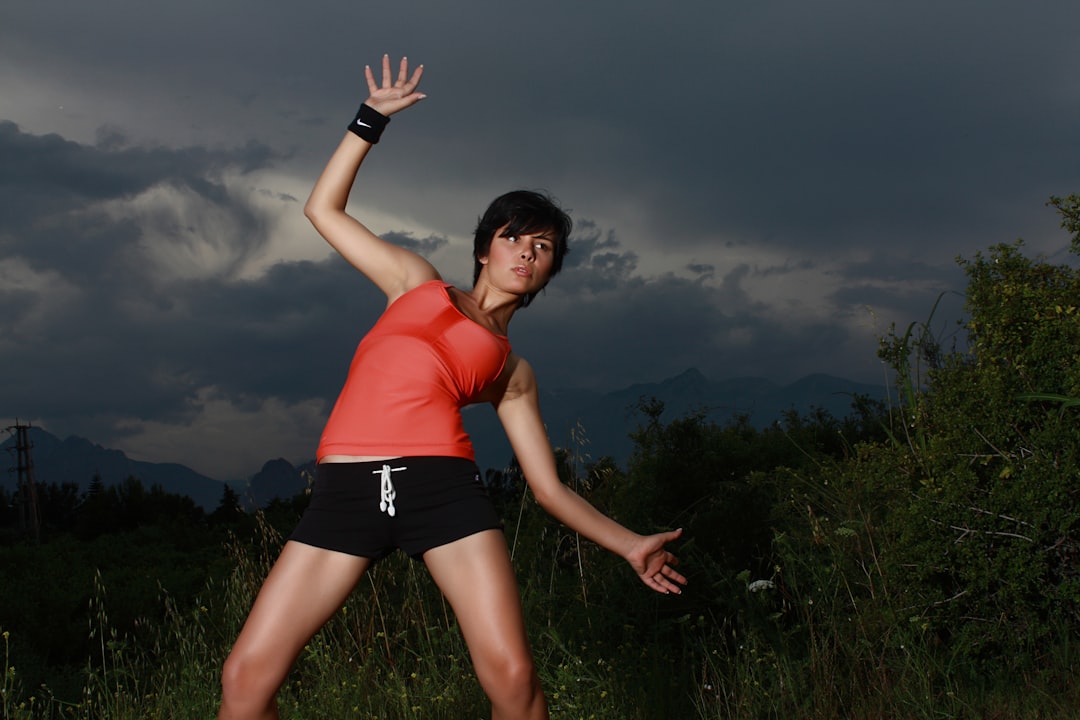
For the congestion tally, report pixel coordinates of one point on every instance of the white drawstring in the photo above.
(387, 492)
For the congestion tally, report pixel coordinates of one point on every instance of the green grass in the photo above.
(827, 636)
(393, 651)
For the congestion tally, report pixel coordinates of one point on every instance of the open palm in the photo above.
(393, 95)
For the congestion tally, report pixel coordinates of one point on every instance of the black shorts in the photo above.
(369, 509)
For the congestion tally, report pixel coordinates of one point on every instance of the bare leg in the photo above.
(476, 577)
(306, 586)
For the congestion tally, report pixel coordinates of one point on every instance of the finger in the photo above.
(386, 71)
(370, 77)
(662, 585)
(403, 71)
(668, 570)
(674, 581)
(408, 84)
(415, 79)
(674, 575)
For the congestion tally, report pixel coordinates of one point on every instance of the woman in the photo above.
(395, 468)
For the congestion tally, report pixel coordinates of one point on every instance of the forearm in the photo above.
(331, 191)
(574, 511)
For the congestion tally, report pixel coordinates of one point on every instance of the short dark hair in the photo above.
(522, 212)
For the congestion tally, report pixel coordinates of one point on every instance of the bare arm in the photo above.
(519, 411)
(393, 269)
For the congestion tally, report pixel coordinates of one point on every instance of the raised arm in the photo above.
(393, 269)
(518, 408)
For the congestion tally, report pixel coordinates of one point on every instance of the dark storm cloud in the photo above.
(596, 261)
(704, 271)
(889, 267)
(847, 116)
(424, 246)
(134, 344)
(94, 331)
(50, 168)
(786, 268)
(288, 334)
(602, 324)
(758, 188)
(784, 123)
(659, 327)
(51, 191)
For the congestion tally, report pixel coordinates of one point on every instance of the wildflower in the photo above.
(759, 585)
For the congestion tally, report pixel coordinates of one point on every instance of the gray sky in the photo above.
(759, 189)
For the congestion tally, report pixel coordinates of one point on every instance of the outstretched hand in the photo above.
(394, 95)
(655, 565)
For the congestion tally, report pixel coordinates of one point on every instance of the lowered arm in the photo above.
(519, 412)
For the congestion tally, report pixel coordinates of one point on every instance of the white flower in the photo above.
(759, 585)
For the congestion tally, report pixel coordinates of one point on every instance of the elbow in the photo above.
(318, 214)
(547, 497)
(311, 211)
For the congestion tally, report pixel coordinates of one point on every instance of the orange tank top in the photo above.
(412, 373)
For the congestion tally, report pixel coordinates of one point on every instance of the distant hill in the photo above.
(277, 479)
(78, 460)
(606, 420)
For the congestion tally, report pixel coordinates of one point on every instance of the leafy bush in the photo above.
(990, 534)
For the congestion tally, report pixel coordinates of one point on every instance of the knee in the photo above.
(513, 681)
(247, 688)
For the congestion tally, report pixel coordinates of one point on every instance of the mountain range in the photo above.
(78, 460)
(596, 423)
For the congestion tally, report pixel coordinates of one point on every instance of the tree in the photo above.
(1069, 209)
(96, 514)
(991, 536)
(228, 510)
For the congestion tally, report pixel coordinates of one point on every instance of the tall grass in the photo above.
(826, 635)
(829, 635)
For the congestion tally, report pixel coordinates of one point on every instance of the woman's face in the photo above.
(519, 263)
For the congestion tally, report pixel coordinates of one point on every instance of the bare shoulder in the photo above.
(413, 276)
(516, 381)
(522, 379)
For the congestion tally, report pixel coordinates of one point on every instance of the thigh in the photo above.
(306, 586)
(477, 578)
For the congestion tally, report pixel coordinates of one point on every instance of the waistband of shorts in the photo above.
(415, 462)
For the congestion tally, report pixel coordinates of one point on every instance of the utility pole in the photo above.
(26, 489)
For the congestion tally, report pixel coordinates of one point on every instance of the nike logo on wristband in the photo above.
(361, 123)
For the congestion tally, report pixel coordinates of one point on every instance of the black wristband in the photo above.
(368, 124)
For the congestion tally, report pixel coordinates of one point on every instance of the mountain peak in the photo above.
(278, 478)
(690, 376)
(277, 465)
